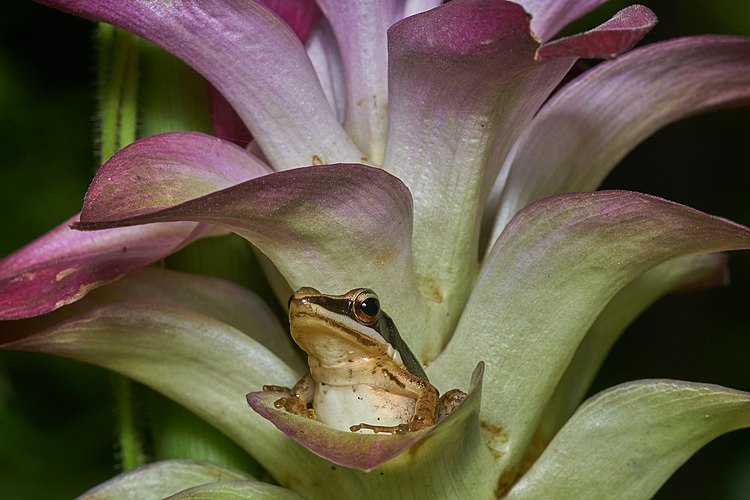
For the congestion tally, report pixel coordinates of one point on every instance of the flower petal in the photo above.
(587, 127)
(627, 441)
(233, 490)
(222, 300)
(360, 28)
(463, 81)
(160, 480)
(618, 35)
(199, 362)
(548, 17)
(274, 90)
(64, 265)
(368, 451)
(168, 169)
(692, 271)
(333, 227)
(550, 274)
(301, 16)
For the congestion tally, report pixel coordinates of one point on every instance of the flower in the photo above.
(441, 190)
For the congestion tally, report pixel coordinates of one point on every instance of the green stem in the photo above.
(118, 89)
(118, 75)
(131, 451)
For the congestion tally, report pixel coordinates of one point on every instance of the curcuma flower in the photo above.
(430, 153)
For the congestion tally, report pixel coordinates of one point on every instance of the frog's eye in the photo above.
(366, 307)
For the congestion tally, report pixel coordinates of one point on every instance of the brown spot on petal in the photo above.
(317, 160)
(506, 480)
(495, 436)
(383, 257)
(430, 289)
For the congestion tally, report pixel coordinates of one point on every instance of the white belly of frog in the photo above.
(343, 407)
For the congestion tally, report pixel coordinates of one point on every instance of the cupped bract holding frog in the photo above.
(363, 376)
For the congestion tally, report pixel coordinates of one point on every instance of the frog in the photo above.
(362, 375)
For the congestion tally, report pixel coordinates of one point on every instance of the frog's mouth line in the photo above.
(345, 326)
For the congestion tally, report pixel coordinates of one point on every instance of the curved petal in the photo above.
(333, 227)
(550, 274)
(201, 363)
(222, 300)
(160, 479)
(274, 90)
(168, 169)
(618, 35)
(627, 441)
(64, 265)
(587, 127)
(233, 490)
(463, 81)
(692, 271)
(548, 17)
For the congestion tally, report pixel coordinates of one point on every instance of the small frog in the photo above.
(362, 374)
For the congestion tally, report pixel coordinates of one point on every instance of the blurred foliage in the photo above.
(56, 416)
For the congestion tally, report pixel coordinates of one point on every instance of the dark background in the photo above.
(56, 416)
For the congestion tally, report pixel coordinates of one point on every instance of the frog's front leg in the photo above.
(298, 397)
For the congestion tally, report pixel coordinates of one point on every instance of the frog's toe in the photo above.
(276, 388)
(449, 402)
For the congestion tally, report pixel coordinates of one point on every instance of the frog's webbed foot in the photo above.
(294, 405)
(411, 426)
(449, 402)
(297, 397)
(276, 388)
(388, 429)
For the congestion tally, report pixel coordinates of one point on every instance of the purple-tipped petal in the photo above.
(548, 17)
(550, 274)
(618, 35)
(273, 89)
(64, 265)
(333, 227)
(463, 81)
(167, 169)
(349, 449)
(587, 127)
(355, 450)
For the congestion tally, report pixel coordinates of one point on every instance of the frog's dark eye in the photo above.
(366, 307)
